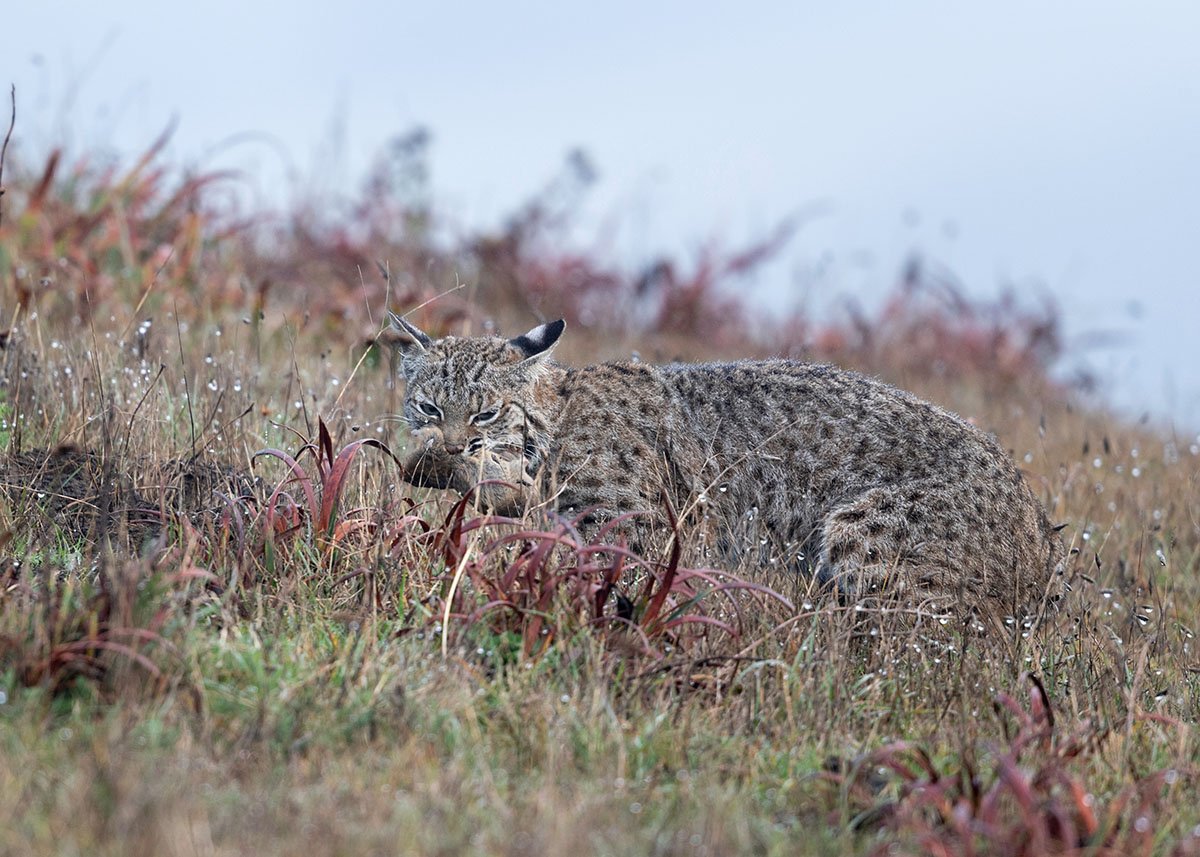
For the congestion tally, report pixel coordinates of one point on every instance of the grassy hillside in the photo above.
(227, 627)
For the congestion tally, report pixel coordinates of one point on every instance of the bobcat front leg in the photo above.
(504, 486)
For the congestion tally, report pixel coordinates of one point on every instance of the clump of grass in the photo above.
(545, 584)
(319, 495)
(67, 630)
(1016, 796)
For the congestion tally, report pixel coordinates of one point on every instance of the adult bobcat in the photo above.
(865, 486)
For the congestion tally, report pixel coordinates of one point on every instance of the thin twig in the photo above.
(12, 123)
(129, 432)
(187, 387)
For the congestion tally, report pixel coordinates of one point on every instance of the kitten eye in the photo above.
(428, 409)
(484, 417)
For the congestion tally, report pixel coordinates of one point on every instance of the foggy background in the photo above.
(1054, 148)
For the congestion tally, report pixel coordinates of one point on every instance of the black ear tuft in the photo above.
(408, 336)
(539, 340)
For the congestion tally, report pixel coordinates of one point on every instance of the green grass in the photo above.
(248, 676)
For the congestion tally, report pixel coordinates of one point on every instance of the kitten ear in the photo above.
(539, 340)
(406, 336)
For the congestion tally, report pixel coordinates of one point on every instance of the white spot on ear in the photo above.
(539, 340)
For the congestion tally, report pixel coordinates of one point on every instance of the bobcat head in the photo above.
(472, 411)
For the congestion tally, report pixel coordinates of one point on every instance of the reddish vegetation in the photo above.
(1022, 797)
(95, 238)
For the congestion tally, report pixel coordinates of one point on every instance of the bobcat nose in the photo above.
(453, 448)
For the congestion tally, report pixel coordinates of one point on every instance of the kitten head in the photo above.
(469, 403)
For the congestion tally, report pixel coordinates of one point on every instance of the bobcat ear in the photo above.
(539, 340)
(407, 336)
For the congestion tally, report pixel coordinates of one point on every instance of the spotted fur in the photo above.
(838, 475)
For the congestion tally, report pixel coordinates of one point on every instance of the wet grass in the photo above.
(204, 650)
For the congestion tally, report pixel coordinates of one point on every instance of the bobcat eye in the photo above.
(484, 417)
(428, 409)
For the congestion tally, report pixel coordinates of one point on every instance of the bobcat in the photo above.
(840, 476)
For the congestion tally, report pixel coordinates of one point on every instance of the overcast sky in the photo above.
(1053, 146)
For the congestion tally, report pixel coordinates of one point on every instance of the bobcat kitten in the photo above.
(841, 476)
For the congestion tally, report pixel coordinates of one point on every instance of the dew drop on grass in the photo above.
(1097, 462)
(3, 697)
(212, 385)
(1142, 824)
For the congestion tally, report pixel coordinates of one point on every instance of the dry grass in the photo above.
(207, 652)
